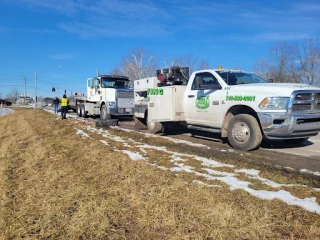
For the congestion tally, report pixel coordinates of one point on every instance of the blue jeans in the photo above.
(64, 112)
(56, 108)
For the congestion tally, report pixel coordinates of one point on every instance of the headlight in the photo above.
(274, 103)
(111, 103)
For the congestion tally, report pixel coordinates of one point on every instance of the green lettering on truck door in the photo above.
(155, 91)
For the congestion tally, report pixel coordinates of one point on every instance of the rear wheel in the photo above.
(79, 112)
(296, 141)
(104, 113)
(154, 127)
(244, 132)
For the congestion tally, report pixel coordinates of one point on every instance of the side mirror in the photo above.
(270, 80)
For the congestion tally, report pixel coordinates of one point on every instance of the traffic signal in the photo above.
(53, 89)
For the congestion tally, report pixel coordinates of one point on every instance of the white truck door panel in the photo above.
(203, 100)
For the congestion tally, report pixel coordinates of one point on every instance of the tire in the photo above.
(83, 111)
(168, 127)
(79, 112)
(296, 141)
(154, 127)
(104, 113)
(244, 132)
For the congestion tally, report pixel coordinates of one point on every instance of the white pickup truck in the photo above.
(240, 105)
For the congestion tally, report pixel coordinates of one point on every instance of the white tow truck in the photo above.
(243, 107)
(108, 96)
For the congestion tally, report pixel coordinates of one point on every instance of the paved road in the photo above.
(310, 149)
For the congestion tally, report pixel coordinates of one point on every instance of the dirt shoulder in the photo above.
(66, 179)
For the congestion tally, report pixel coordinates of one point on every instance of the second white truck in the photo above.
(242, 106)
(108, 96)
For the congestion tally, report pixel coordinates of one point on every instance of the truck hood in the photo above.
(272, 89)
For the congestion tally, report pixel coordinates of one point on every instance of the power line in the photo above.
(11, 84)
(54, 84)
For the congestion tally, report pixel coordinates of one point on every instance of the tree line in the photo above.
(297, 63)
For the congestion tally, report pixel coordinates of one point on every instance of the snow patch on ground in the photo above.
(5, 111)
(307, 171)
(163, 137)
(179, 160)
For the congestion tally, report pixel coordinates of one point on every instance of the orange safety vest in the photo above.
(64, 102)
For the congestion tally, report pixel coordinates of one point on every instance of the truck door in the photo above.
(93, 89)
(203, 100)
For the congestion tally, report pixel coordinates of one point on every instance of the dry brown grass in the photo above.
(56, 184)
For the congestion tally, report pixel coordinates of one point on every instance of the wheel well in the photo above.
(146, 114)
(235, 110)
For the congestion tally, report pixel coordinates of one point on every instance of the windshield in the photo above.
(114, 82)
(236, 78)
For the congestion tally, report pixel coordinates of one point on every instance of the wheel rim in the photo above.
(241, 132)
(151, 125)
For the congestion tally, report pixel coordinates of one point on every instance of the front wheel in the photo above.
(244, 132)
(104, 113)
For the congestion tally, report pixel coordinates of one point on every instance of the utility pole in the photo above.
(25, 94)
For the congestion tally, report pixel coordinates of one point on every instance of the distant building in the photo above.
(22, 97)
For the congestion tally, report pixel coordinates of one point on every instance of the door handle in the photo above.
(190, 96)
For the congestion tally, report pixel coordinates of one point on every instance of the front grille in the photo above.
(125, 94)
(301, 107)
(303, 96)
(305, 102)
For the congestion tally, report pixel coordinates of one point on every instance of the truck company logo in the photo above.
(202, 102)
(155, 91)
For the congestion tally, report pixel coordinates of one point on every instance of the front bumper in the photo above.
(120, 111)
(283, 126)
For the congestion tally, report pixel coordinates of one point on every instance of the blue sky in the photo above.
(84, 35)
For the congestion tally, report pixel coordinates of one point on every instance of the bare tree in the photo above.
(308, 57)
(282, 62)
(194, 63)
(262, 68)
(138, 64)
(13, 96)
(116, 71)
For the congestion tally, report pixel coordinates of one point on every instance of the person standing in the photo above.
(56, 104)
(64, 106)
